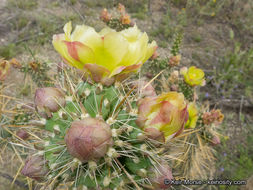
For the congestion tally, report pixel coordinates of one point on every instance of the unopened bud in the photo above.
(159, 174)
(4, 69)
(88, 139)
(105, 16)
(22, 134)
(49, 100)
(35, 168)
(215, 140)
(175, 60)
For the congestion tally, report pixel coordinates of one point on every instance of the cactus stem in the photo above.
(128, 175)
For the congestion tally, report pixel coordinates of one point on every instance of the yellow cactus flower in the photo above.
(162, 117)
(194, 76)
(193, 115)
(107, 55)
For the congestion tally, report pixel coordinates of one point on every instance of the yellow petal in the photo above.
(105, 31)
(112, 51)
(150, 50)
(136, 51)
(80, 52)
(87, 35)
(61, 48)
(131, 34)
(67, 30)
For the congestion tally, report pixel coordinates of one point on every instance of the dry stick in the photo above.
(128, 175)
(17, 182)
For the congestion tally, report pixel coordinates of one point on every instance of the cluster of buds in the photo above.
(34, 65)
(105, 16)
(4, 69)
(124, 17)
(174, 60)
(213, 117)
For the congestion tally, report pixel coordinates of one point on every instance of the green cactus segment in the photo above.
(128, 149)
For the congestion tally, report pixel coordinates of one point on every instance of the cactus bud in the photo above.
(35, 168)
(4, 69)
(158, 178)
(22, 134)
(175, 60)
(105, 16)
(125, 19)
(88, 139)
(48, 100)
(215, 140)
(155, 134)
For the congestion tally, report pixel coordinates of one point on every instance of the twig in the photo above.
(17, 182)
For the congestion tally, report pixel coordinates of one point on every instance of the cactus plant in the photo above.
(100, 131)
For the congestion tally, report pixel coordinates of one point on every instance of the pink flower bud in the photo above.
(215, 140)
(22, 134)
(145, 89)
(175, 60)
(35, 168)
(155, 134)
(167, 113)
(48, 100)
(159, 177)
(88, 139)
(105, 16)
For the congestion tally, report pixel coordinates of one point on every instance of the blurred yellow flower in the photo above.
(107, 55)
(194, 76)
(162, 117)
(193, 115)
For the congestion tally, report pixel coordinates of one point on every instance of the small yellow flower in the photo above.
(107, 55)
(214, 1)
(193, 115)
(162, 117)
(194, 76)
(213, 14)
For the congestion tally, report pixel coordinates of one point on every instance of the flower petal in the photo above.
(88, 36)
(112, 51)
(61, 48)
(80, 52)
(97, 71)
(67, 30)
(150, 50)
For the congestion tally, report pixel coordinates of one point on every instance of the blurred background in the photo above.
(218, 37)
